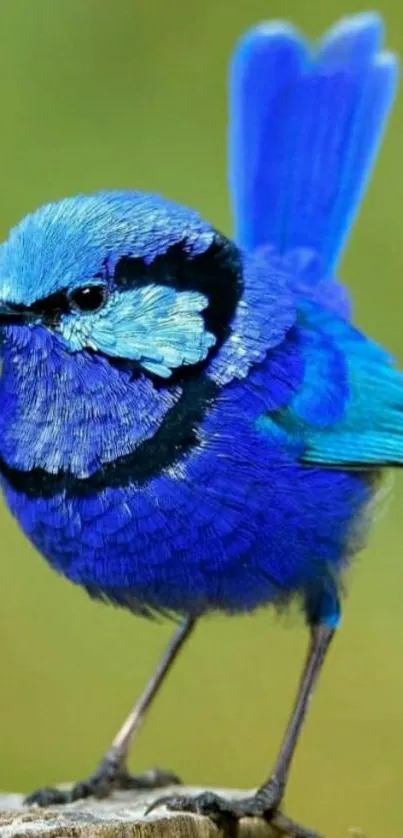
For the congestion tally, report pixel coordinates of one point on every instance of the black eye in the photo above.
(90, 298)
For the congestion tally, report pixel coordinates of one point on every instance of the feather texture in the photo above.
(158, 326)
(305, 128)
(336, 416)
(212, 436)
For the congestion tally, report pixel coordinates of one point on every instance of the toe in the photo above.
(223, 810)
(82, 789)
(167, 800)
(154, 778)
(47, 796)
(209, 804)
(158, 778)
(291, 829)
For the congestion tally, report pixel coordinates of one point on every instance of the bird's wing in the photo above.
(305, 127)
(347, 409)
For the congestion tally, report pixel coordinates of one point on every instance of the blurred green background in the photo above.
(132, 94)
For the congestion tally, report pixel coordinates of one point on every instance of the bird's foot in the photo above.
(225, 811)
(108, 777)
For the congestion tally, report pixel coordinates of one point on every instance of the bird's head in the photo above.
(123, 315)
(124, 275)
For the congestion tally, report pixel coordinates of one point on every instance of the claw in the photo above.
(222, 809)
(47, 796)
(161, 801)
(153, 778)
(105, 780)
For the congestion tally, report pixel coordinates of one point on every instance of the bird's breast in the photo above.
(227, 527)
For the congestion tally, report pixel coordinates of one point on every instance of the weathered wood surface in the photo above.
(120, 816)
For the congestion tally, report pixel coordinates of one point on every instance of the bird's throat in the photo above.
(72, 412)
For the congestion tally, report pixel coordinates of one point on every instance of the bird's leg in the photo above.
(266, 801)
(112, 772)
(272, 791)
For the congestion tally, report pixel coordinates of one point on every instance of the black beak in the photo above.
(10, 314)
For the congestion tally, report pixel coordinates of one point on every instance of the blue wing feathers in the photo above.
(371, 432)
(304, 131)
(348, 410)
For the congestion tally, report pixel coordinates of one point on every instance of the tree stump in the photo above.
(120, 816)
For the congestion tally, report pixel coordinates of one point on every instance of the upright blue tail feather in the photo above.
(305, 127)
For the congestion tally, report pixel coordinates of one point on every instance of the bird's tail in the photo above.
(305, 127)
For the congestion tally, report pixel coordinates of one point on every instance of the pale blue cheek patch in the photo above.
(159, 327)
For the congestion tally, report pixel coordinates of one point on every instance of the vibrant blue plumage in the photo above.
(212, 433)
(68, 243)
(305, 127)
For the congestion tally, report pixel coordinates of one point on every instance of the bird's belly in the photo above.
(229, 542)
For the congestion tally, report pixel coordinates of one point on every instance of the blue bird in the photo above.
(190, 423)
